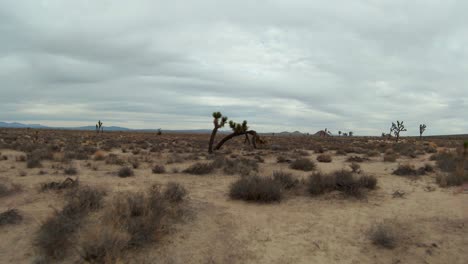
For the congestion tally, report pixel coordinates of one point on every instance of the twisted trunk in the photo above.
(233, 135)
(212, 137)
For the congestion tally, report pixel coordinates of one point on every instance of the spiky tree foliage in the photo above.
(218, 121)
(397, 128)
(240, 130)
(99, 127)
(350, 133)
(422, 128)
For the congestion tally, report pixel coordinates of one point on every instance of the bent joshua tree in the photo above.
(237, 130)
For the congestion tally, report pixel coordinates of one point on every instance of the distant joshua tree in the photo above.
(159, 132)
(422, 128)
(345, 134)
(350, 133)
(99, 127)
(397, 128)
(339, 133)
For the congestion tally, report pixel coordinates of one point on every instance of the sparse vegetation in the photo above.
(200, 168)
(256, 189)
(303, 164)
(286, 180)
(342, 180)
(10, 217)
(384, 235)
(158, 169)
(125, 172)
(324, 158)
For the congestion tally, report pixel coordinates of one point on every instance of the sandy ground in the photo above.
(433, 221)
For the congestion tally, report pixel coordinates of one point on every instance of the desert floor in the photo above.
(432, 222)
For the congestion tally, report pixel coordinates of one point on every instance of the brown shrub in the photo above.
(241, 166)
(200, 168)
(303, 164)
(103, 245)
(406, 170)
(174, 192)
(389, 157)
(158, 169)
(324, 158)
(125, 172)
(10, 217)
(286, 180)
(256, 189)
(384, 235)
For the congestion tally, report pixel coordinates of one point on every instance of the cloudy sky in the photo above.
(282, 65)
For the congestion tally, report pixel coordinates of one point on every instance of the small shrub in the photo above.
(256, 189)
(346, 183)
(451, 179)
(355, 168)
(446, 161)
(324, 158)
(240, 166)
(405, 170)
(356, 159)
(282, 159)
(103, 245)
(383, 235)
(175, 193)
(286, 180)
(373, 153)
(199, 168)
(99, 155)
(369, 182)
(33, 162)
(114, 160)
(389, 157)
(10, 217)
(319, 183)
(70, 171)
(125, 172)
(303, 164)
(68, 183)
(158, 169)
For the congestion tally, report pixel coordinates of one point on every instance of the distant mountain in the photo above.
(106, 128)
(19, 125)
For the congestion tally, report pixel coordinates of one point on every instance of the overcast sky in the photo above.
(282, 65)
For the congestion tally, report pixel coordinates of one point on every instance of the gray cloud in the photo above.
(282, 65)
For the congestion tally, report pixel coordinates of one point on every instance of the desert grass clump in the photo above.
(10, 217)
(68, 183)
(103, 245)
(158, 169)
(406, 170)
(342, 180)
(256, 189)
(303, 164)
(175, 192)
(54, 237)
(125, 172)
(319, 183)
(324, 158)
(200, 168)
(70, 171)
(384, 235)
(241, 166)
(33, 162)
(390, 157)
(286, 179)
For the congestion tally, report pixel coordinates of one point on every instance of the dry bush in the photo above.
(356, 159)
(256, 189)
(340, 152)
(303, 164)
(324, 158)
(33, 162)
(446, 161)
(70, 171)
(174, 192)
(319, 183)
(8, 189)
(139, 214)
(451, 179)
(54, 236)
(99, 155)
(200, 168)
(103, 245)
(158, 169)
(406, 170)
(68, 183)
(373, 153)
(240, 166)
(342, 180)
(384, 235)
(301, 152)
(125, 172)
(390, 157)
(283, 159)
(10, 217)
(355, 168)
(113, 159)
(286, 180)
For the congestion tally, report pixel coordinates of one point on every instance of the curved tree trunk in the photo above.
(212, 137)
(233, 135)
